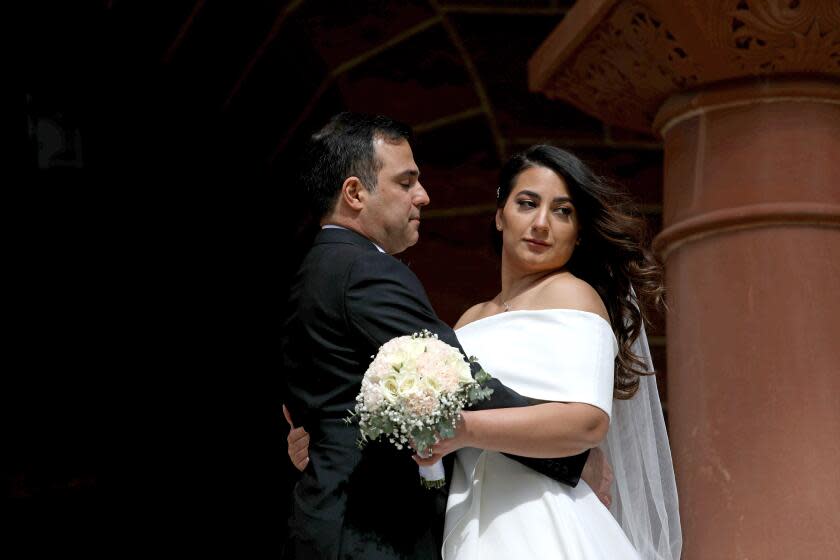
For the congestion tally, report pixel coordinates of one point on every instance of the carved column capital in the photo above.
(620, 60)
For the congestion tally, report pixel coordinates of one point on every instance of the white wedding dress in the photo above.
(500, 509)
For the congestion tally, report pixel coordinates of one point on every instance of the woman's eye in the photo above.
(526, 203)
(564, 210)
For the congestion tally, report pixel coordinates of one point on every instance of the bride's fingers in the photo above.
(413, 445)
(428, 460)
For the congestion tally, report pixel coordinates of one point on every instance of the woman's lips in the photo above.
(537, 243)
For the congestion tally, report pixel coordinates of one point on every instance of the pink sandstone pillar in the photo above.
(752, 254)
(746, 97)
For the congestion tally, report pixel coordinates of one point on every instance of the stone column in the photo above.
(752, 254)
(746, 97)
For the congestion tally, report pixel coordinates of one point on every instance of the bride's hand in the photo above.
(445, 446)
(598, 474)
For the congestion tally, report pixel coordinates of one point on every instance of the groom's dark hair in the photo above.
(344, 148)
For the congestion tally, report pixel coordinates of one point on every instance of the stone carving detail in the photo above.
(772, 36)
(632, 39)
(644, 51)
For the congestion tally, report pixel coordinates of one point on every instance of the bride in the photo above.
(567, 329)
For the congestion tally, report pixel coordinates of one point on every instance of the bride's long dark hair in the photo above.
(613, 255)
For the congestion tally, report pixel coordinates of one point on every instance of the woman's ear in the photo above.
(499, 225)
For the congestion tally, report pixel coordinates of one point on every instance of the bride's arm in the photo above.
(544, 430)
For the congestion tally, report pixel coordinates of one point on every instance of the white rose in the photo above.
(464, 373)
(407, 386)
(390, 388)
(432, 385)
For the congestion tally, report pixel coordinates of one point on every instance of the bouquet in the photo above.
(413, 392)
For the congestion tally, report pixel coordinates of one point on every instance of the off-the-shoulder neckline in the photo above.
(516, 311)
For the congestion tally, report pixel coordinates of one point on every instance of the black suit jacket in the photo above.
(347, 300)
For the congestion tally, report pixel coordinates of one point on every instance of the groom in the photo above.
(351, 296)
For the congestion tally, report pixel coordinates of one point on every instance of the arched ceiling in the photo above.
(430, 63)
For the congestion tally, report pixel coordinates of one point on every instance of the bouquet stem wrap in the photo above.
(433, 476)
(413, 393)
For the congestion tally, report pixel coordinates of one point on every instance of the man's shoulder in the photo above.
(347, 253)
(337, 248)
(341, 264)
(381, 266)
(343, 237)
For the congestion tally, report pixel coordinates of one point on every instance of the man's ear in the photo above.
(353, 193)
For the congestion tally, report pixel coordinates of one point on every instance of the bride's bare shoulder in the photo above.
(474, 313)
(566, 291)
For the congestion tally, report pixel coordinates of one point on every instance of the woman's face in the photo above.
(539, 223)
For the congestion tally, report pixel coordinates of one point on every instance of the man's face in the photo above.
(391, 213)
